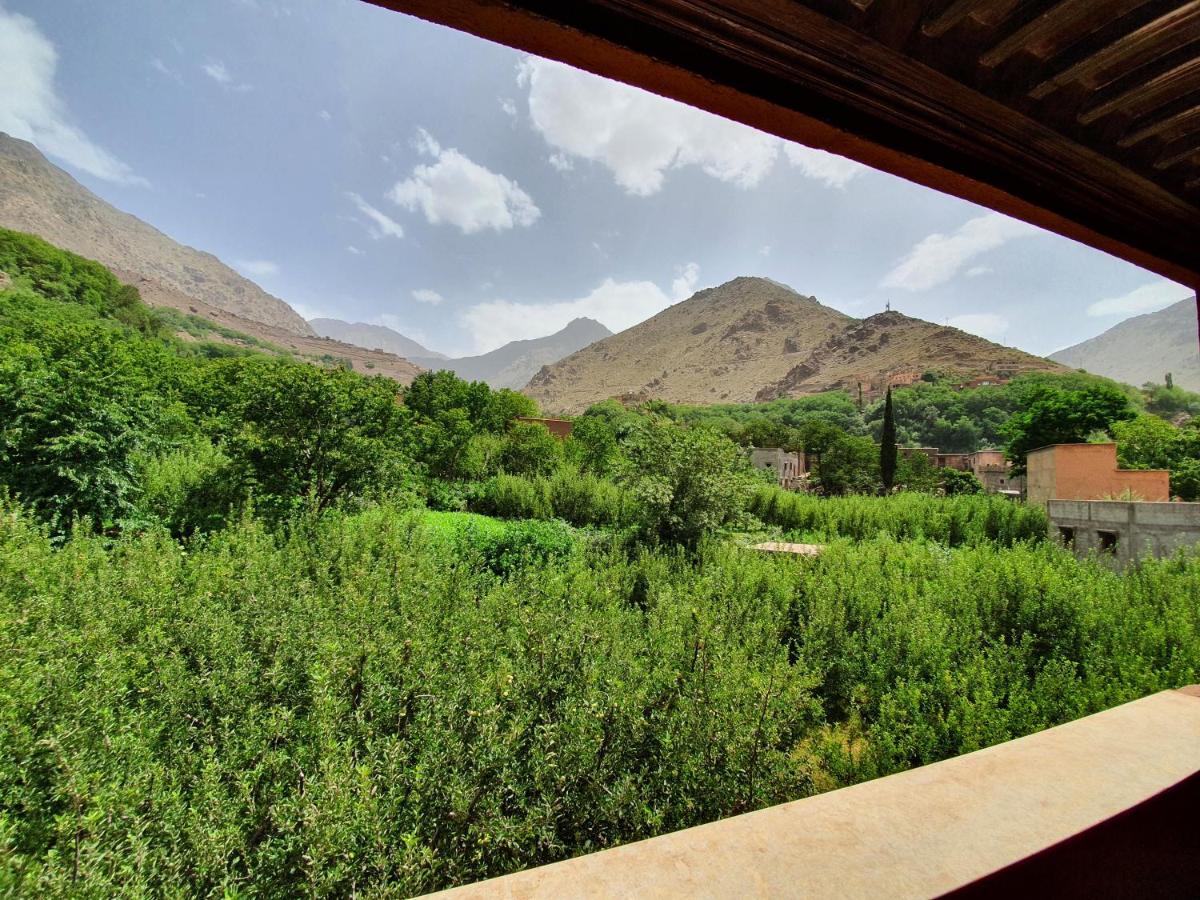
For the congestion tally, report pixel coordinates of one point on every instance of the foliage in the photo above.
(361, 704)
(318, 436)
(1052, 415)
(1148, 442)
(687, 482)
(953, 521)
(956, 482)
(530, 449)
(887, 445)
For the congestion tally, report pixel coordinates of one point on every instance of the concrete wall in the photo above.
(1089, 472)
(1139, 529)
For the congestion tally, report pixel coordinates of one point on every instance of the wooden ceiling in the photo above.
(1082, 116)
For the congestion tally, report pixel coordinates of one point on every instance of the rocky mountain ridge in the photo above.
(753, 339)
(39, 198)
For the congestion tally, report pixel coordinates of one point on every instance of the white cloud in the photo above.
(638, 136)
(256, 268)
(215, 69)
(835, 171)
(163, 69)
(31, 110)
(456, 191)
(381, 225)
(976, 271)
(425, 144)
(219, 72)
(938, 257)
(351, 249)
(561, 161)
(618, 304)
(424, 295)
(765, 250)
(986, 325)
(509, 106)
(1147, 298)
(325, 115)
(684, 284)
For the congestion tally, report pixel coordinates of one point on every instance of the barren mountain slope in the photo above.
(754, 339)
(315, 349)
(512, 365)
(39, 198)
(372, 337)
(1144, 348)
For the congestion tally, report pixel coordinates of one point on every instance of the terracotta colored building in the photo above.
(1089, 472)
(560, 428)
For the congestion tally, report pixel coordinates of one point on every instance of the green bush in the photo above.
(965, 520)
(191, 489)
(353, 705)
(512, 497)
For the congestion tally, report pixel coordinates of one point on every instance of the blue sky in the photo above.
(368, 166)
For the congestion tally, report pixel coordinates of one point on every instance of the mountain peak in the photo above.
(753, 338)
(15, 148)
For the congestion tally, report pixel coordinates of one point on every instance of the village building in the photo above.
(789, 468)
(994, 471)
(1124, 530)
(1090, 472)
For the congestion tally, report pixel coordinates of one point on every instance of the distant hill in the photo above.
(372, 337)
(40, 198)
(512, 365)
(309, 348)
(753, 339)
(1143, 349)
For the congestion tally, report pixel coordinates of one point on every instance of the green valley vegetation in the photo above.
(275, 629)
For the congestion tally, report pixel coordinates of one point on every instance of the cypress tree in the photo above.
(887, 446)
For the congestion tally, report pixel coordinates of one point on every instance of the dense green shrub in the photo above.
(953, 521)
(357, 704)
(512, 497)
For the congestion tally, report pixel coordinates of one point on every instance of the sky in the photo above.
(369, 166)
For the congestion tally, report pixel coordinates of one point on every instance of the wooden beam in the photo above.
(1057, 28)
(1178, 151)
(1167, 33)
(986, 12)
(1170, 85)
(1179, 124)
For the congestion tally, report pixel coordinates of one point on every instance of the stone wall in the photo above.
(1125, 530)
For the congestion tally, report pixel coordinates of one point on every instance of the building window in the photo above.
(1108, 541)
(1067, 536)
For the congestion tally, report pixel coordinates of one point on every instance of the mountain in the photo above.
(225, 327)
(40, 198)
(378, 337)
(753, 339)
(512, 365)
(1144, 348)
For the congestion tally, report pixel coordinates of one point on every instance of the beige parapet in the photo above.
(919, 833)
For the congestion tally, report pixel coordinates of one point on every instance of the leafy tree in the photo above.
(530, 449)
(1149, 442)
(319, 435)
(1052, 415)
(955, 482)
(593, 444)
(688, 482)
(887, 445)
